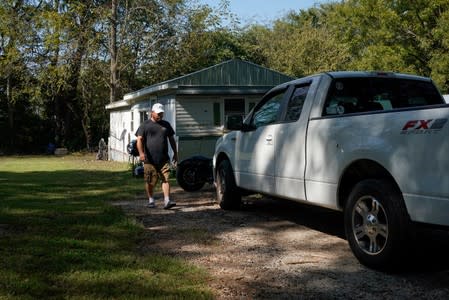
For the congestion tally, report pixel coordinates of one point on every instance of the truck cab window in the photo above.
(417, 93)
(296, 103)
(359, 95)
(344, 96)
(268, 111)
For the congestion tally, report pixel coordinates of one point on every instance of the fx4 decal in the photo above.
(423, 126)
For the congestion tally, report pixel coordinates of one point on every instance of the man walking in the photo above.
(152, 145)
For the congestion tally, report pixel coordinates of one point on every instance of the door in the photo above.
(255, 157)
(290, 167)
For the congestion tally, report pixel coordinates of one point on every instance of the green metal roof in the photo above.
(233, 73)
(233, 76)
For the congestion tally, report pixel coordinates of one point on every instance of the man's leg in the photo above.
(150, 178)
(149, 189)
(166, 189)
(165, 174)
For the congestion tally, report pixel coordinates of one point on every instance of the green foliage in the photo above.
(308, 48)
(439, 61)
(55, 61)
(400, 36)
(62, 239)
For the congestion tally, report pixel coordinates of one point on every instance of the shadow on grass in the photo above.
(59, 238)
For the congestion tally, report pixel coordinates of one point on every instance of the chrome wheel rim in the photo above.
(370, 225)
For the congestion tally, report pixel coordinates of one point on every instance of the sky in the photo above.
(263, 11)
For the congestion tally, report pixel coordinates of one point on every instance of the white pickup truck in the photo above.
(374, 145)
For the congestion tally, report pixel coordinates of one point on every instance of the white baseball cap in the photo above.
(158, 108)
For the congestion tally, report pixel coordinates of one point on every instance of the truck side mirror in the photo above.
(234, 122)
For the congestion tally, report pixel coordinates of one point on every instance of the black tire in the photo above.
(187, 176)
(228, 194)
(376, 224)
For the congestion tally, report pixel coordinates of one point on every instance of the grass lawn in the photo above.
(59, 237)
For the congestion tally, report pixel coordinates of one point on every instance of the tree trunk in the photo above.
(113, 52)
(10, 111)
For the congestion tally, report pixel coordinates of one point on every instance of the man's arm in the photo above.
(172, 141)
(140, 148)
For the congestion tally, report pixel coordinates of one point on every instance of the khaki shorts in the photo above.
(152, 174)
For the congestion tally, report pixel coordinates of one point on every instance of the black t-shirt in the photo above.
(155, 142)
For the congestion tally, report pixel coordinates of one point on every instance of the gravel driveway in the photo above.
(278, 249)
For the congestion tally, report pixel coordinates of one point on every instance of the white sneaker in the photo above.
(169, 204)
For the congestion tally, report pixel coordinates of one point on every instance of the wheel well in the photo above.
(357, 171)
(222, 156)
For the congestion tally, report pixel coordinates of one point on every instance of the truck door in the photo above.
(255, 155)
(290, 167)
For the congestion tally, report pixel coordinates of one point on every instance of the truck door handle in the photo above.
(269, 138)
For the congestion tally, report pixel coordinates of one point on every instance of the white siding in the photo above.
(195, 117)
(119, 135)
(203, 146)
(195, 123)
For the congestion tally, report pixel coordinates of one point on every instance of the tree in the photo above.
(67, 30)
(401, 36)
(15, 77)
(113, 52)
(439, 63)
(62, 61)
(299, 44)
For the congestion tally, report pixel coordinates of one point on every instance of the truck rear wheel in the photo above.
(228, 195)
(376, 224)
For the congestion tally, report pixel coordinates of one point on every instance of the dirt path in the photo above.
(277, 249)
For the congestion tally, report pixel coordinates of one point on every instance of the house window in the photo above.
(234, 107)
(143, 116)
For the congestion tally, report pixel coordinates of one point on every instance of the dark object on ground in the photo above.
(192, 173)
(51, 148)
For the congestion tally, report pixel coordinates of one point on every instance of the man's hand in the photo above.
(175, 159)
(172, 141)
(140, 148)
